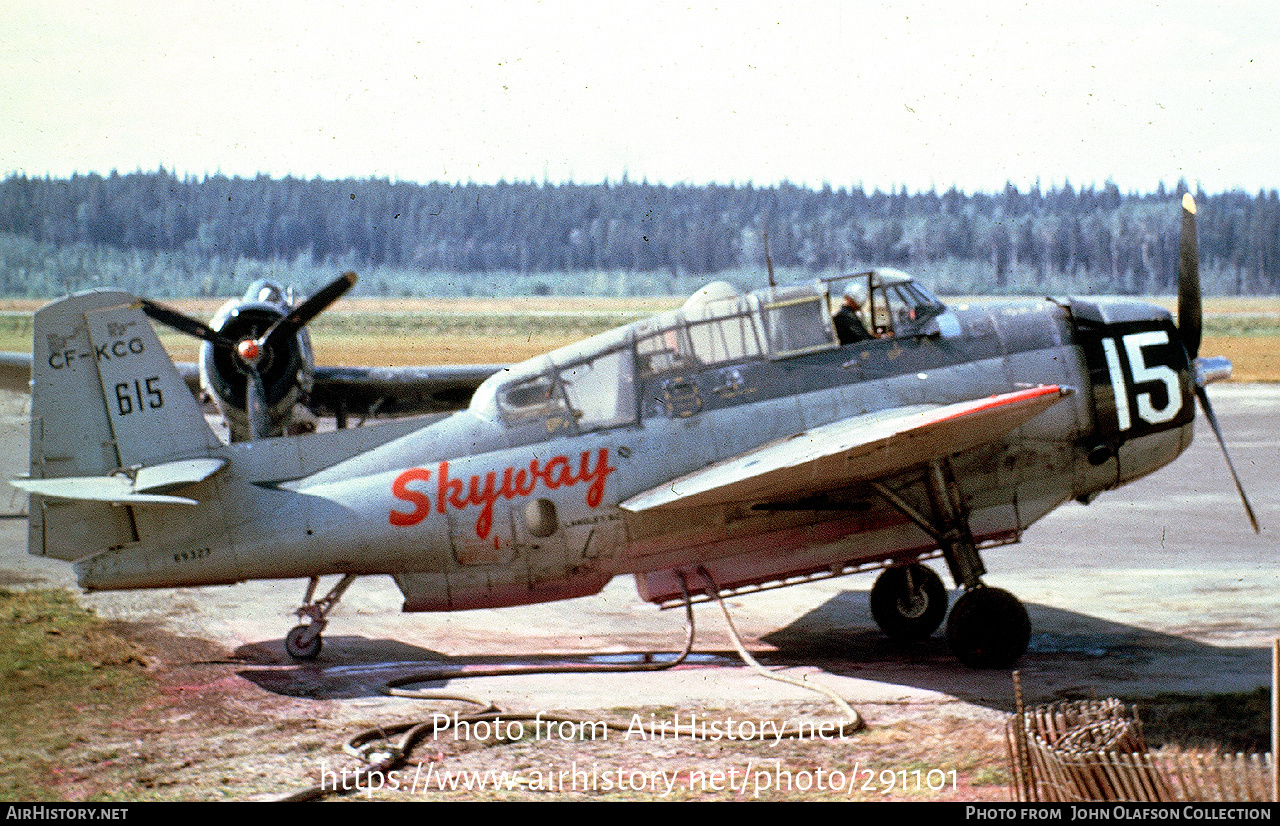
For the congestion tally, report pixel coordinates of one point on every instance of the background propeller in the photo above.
(253, 352)
(185, 323)
(1190, 329)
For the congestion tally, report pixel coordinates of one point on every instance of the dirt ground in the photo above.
(244, 725)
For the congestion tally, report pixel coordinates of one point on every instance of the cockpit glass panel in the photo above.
(897, 305)
(533, 398)
(664, 351)
(926, 298)
(714, 332)
(882, 313)
(720, 340)
(907, 307)
(900, 309)
(798, 324)
(601, 392)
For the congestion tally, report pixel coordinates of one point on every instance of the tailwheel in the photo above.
(988, 628)
(908, 602)
(303, 642)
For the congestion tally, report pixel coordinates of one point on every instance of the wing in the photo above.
(860, 448)
(369, 391)
(396, 391)
(15, 372)
(190, 374)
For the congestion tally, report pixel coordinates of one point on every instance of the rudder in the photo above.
(105, 399)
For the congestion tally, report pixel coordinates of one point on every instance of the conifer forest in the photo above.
(160, 235)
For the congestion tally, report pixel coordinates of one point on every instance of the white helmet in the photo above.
(857, 291)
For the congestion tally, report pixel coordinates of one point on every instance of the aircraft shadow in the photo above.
(351, 667)
(1071, 655)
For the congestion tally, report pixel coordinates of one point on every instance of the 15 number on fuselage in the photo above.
(1146, 372)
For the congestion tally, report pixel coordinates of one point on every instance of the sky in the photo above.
(883, 95)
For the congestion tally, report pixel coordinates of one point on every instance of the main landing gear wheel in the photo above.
(908, 602)
(988, 628)
(297, 645)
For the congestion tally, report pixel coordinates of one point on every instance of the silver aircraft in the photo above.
(734, 436)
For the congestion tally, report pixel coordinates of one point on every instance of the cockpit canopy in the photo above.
(593, 384)
(898, 307)
(265, 291)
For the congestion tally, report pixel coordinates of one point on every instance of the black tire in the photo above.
(294, 647)
(988, 628)
(909, 602)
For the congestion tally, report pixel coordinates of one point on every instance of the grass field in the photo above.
(476, 331)
(66, 678)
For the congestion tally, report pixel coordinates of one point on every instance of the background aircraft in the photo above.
(258, 369)
(734, 439)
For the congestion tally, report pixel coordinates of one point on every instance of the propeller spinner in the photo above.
(254, 354)
(1190, 328)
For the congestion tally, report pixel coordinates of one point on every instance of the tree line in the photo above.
(437, 237)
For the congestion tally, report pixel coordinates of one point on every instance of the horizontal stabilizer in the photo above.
(128, 488)
(857, 449)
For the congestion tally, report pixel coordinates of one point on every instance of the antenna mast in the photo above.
(768, 259)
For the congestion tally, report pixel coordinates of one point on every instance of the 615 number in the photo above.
(140, 395)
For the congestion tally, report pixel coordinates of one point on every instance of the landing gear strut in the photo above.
(909, 602)
(303, 642)
(987, 627)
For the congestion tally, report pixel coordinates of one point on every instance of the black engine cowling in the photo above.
(286, 366)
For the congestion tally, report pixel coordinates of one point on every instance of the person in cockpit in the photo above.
(849, 326)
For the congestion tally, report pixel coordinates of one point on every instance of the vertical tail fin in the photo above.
(105, 398)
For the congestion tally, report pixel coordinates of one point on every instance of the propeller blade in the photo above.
(1213, 422)
(185, 324)
(313, 306)
(1189, 312)
(255, 405)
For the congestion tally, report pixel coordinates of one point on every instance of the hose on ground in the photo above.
(380, 753)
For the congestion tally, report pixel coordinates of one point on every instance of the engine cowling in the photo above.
(286, 363)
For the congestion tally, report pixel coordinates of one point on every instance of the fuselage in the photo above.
(516, 499)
